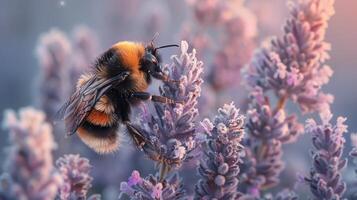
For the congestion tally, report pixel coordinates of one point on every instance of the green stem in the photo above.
(281, 103)
(164, 170)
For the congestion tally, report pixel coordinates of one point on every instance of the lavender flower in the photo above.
(236, 49)
(172, 129)
(53, 52)
(290, 68)
(62, 62)
(325, 176)
(209, 12)
(269, 15)
(86, 42)
(268, 129)
(152, 188)
(31, 174)
(219, 169)
(85, 49)
(266, 123)
(76, 179)
(236, 41)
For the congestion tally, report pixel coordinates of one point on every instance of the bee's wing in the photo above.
(77, 108)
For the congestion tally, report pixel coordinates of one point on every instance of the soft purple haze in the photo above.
(279, 64)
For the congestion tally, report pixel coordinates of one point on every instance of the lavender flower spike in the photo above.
(292, 66)
(85, 49)
(75, 172)
(289, 68)
(53, 52)
(219, 170)
(325, 176)
(172, 129)
(150, 188)
(29, 166)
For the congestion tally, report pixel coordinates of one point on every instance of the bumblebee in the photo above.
(104, 97)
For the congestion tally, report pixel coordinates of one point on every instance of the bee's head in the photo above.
(150, 62)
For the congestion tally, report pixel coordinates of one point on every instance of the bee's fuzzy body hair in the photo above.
(98, 126)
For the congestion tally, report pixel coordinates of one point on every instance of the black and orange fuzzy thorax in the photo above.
(99, 129)
(124, 56)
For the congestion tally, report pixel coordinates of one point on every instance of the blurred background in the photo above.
(102, 23)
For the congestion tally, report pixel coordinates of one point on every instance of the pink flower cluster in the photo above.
(76, 179)
(29, 169)
(152, 188)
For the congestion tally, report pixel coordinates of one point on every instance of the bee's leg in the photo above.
(147, 96)
(136, 134)
(163, 77)
(162, 99)
(124, 110)
(141, 95)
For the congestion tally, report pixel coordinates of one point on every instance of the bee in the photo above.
(104, 97)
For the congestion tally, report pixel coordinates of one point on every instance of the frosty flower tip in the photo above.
(328, 141)
(340, 127)
(219, 167)
(29, 161)
(75, 172)
(184, 47)
(53, 47)
(206, 126)
(292, 66)
(153, 188)
(157, 191)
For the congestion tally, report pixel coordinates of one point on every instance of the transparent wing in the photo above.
(79, 105)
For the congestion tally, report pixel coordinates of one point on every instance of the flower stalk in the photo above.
(289, 69)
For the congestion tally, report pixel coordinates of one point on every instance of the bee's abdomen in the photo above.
(100, 118)
(99, 132)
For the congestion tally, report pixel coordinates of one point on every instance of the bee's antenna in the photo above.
(155, 36)
(166, 46)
